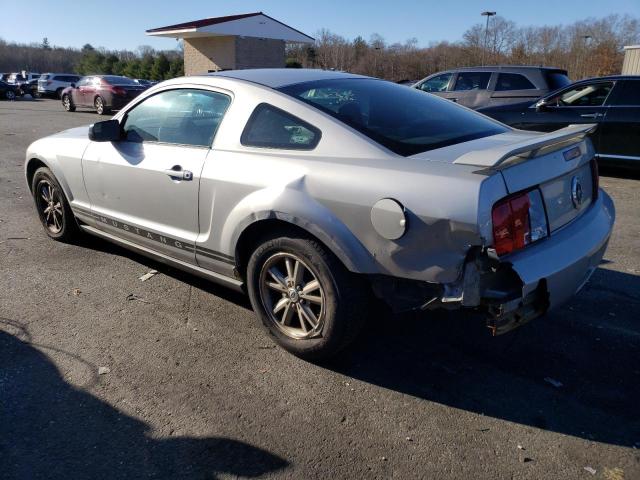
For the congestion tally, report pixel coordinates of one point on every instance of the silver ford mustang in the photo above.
(320, 191)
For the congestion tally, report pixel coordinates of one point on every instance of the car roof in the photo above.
(508, 67)
(610, 77)
(280, 77)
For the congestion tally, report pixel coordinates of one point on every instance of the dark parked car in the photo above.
(612, 102)
(477, 87)
(8, 91)
(101, 92)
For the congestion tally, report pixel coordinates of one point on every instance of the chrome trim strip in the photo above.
(155, 236)
(617, 157)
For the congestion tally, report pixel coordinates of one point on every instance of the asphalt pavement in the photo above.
(180, 381)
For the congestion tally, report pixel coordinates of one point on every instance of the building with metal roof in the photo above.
(251, 40)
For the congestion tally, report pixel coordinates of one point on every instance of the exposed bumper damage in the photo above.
(487, 286)
(514, 290)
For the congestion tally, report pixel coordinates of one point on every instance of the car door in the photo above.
(438, 84)
(620, 129)
(144, 188)
(512, 88)
(470, 89)
(79, 93)
(581, 103)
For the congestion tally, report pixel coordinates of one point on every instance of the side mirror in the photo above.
(541, 106)
(107, 131)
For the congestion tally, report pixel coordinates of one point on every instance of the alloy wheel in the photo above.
(10, 95)
(66, 102)
(50, 206)
(99, 105)
(292, 296)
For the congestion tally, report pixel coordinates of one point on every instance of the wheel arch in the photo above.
(32, 165)
(36, 162)
(349, 251)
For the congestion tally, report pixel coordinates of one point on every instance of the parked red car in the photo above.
(101, 92)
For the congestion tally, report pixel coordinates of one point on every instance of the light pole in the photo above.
(486, 32)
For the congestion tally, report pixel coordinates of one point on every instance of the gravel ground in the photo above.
(194, 389)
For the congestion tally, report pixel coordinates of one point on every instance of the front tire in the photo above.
(53, 208)
(10, 95)
(308, 301)
(101, 108)
(67, 103)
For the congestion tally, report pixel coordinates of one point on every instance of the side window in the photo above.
(181, 116)
(629, 93)
(82, 82)
(271, 127)
(592, 95)
(472, 81)
(513, 81)
(438, 83)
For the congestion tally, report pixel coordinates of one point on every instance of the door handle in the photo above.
(177, 172)
(592, 115)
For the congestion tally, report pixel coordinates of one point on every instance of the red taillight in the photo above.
(595, 179)
(118, 90)
(511, 223)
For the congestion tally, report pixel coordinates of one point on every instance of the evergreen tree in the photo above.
(160, 67)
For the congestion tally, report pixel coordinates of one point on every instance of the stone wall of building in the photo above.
(209, 53)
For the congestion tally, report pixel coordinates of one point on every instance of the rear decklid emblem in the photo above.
(576, 192)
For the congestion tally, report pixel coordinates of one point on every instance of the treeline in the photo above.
(145, 62)
(587, 48)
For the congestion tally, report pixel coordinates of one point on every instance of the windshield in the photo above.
(116, 80)
(405, 120)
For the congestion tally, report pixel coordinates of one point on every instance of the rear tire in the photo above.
(53, 208)
(308, 301)
(101, 108)
(10, 95)
(67, 103)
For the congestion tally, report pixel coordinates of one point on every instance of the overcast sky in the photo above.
(117, 24)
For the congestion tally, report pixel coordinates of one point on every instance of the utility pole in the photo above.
(486, 33)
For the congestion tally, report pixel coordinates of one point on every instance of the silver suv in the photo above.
(477, 87)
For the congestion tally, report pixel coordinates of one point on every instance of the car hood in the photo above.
(493, 151)
(76, 132)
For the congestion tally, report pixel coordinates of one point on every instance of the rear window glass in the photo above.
(472, 81)
(404, 120)
(513, 81)
(629, 93)
(271, 127)
(115, 80)
(557, 80)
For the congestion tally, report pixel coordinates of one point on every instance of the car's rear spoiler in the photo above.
(506, 155)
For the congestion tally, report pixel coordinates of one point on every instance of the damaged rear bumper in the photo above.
(517, 288)
(545, 275)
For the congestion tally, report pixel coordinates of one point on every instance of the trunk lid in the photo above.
(558, 163)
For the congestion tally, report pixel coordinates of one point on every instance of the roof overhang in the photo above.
(256, 25)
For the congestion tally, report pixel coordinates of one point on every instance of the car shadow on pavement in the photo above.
(51, 429)
(98, 244)
(591, 347)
